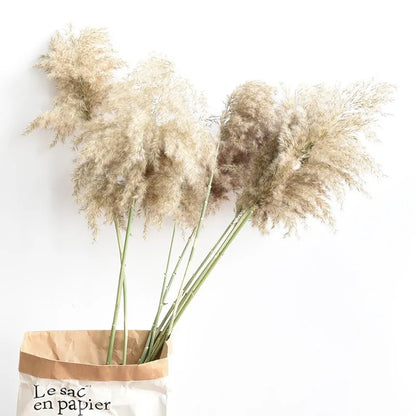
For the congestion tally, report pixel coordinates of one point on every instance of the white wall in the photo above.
(323, 324)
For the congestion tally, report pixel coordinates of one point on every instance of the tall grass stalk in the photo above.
(120, 287)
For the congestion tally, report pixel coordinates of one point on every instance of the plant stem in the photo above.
(207, 257)
(119, 288)
(145, 352)
(149, 341)
(178, 263)
(188, 284)
(143, 358)
(198, 229)
(126, 333)
(164, 335)
(161, 332)
(201, 279)
(172, 277)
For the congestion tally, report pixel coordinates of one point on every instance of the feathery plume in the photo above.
(151, 145)
(82, 67)
(308, 153)
(247, 124)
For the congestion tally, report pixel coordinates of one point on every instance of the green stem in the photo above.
(198, 229)
(172, 277)
(178, 263)
(125, 329)
(201, 279)
(162, 332)
(149, 341)
(188, 296)
(163, 294)
(126, 333)
(119, 288)
(208, 256)
(145, 351)
(188, 284)
(146, 348)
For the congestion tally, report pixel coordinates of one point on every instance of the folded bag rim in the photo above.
(80, 354)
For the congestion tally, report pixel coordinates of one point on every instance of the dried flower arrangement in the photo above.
(144, 148)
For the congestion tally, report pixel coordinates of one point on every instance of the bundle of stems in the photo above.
(164, 328)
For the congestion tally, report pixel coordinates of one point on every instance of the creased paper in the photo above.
(62, 373)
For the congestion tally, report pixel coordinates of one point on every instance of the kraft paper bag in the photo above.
(62, 373)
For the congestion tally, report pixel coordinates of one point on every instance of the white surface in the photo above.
(321, 325)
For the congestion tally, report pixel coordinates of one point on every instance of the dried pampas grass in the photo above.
(141, 140)
(82, 67)
(151, 145)
(144, 147)
(306, 149)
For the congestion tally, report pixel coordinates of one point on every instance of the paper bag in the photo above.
(62, 373)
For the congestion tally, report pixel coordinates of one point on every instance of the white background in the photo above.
(320, 324)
